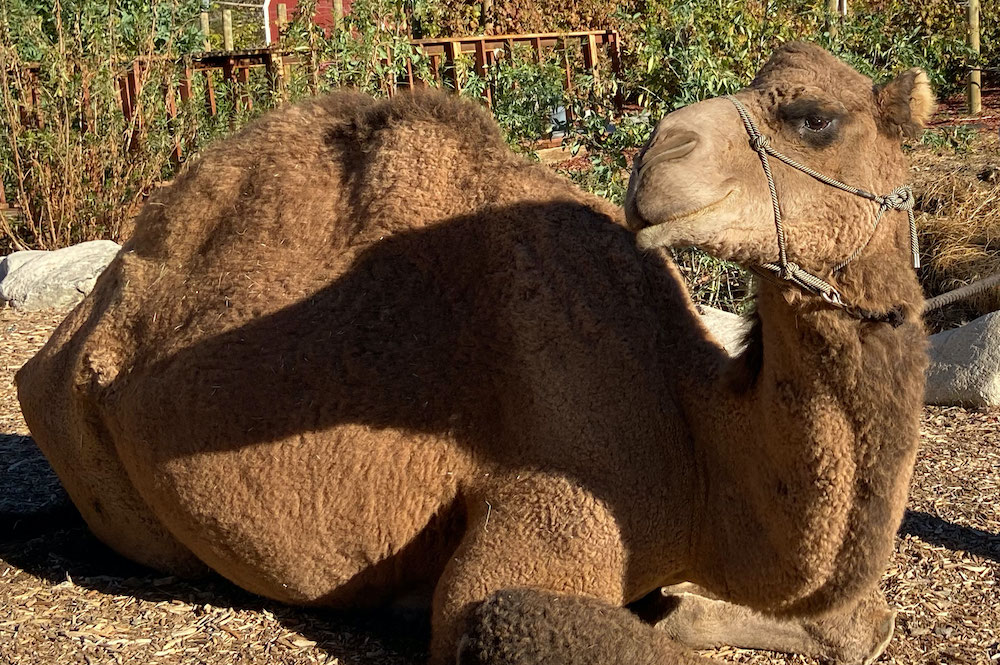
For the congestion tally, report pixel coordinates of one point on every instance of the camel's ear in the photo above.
(906, 103)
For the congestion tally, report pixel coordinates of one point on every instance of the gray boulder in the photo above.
(33, 280)
(965, 364)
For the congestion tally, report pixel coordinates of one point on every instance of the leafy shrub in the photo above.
(526, 95)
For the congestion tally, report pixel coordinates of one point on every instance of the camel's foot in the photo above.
(856, 637)
(528, 627)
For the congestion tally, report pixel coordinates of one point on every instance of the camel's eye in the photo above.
(816, 123)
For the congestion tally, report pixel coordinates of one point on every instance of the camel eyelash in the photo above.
(814, 123)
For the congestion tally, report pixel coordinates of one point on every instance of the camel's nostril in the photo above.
(672, 146)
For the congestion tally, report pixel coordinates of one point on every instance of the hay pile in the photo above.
(958, 217)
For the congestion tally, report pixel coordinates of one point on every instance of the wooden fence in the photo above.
(232, 70)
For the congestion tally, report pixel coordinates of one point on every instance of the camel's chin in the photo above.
(694, 229)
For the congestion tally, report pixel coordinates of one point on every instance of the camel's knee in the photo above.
(857, 635)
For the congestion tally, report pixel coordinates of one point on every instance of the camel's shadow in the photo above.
(42, 534)
(936, 531)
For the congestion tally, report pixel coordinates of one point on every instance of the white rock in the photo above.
(14, 261)
(965, 364)
(33, 280)
(729, 329)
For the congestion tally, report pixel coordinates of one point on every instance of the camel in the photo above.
(361, 350)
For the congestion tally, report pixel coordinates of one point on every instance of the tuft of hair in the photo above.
(907, 103)
(532, 627)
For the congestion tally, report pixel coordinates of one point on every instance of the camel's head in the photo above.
(698, 182)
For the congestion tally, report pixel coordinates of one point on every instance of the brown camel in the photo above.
(362, 350)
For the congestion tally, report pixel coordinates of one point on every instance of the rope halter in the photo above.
(900, 198)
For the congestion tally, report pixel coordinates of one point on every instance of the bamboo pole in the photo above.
(276, 61)
(833, 17)
(282, 19)
(227, 29)
(286, 69)
(975, 73)
(206, 30)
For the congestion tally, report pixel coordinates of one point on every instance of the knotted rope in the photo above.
(900, 198)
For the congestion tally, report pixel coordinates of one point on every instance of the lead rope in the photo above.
(900, 198)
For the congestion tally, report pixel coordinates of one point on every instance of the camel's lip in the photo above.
(648, 237)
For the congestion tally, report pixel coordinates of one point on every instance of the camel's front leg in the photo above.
(854, 636)
(527, 532)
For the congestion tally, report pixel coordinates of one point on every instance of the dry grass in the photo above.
(958, 203)
(65, 599)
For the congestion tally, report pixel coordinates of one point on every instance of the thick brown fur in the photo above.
(361, 349)
(531, 627)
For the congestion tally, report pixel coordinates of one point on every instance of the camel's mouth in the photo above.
(665, 232)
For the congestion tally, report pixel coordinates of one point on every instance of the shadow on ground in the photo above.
(936, 531)
(42, 534)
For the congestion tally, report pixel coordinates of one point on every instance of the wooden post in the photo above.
(435, 64)
(833, 18)
(170, 102)
(131, 102)
(276, 75)
(410, 80)
(210, 106)
(245, 99)
(185, 86)
(590, 55)
(282, 19)
(975, 73)
(206, 30)
(391, 83)
(36, 100)
(338, 13)
(452, 50)
(569, 80)
(227, 29)
(567, 66)
(480, 69)
(615, 53)
(286, 69)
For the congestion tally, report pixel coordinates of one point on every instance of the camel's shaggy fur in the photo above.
(531, 627)
(361, 349)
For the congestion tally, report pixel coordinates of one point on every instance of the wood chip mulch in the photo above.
(64, 599)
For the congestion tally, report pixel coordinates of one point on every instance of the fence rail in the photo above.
(176, 81)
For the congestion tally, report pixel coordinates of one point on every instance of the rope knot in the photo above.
(789, 270)
(900, 198)
(760, 143)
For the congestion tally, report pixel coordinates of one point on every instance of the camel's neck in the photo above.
(806, 464)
